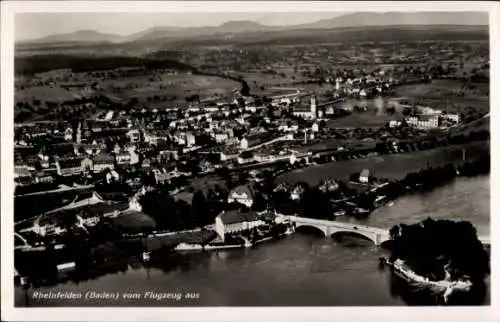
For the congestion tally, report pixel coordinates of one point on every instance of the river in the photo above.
(299, 270)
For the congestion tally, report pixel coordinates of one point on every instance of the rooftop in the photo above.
(235, 216)
(243, 189)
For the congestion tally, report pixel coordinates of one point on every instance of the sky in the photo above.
(38, 25)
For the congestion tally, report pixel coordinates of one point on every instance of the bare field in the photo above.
(367, 119)
(440, 94)
(394, 166)
(437, 88)
(175, 88)
(55, 94)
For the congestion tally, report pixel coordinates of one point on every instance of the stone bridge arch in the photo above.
(365, 235)
(312, 227)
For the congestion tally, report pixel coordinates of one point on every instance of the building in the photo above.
(262, 139)
(69, 166)
(43, 177)
(112, 176)
(146, 163)
(394, 123)
(423, 121)
(161, 177)
(244, 157)
(242, 194)
(220, 137)
(452, 117)
(122, 158)
(88, 209)
(190, 139)
(134, 135)
(307, 112)
(235, 221)
(68, 134)
(90, 149)
(364, 176)
(297, 192)
(156, 136)
(21, 170)
(87, 165)
(328, 185)
(103, 162)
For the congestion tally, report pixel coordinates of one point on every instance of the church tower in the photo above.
(313, 107)
(79, 133)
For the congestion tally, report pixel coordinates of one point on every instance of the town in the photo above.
(117, 157)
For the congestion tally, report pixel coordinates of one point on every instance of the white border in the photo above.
(9, 313)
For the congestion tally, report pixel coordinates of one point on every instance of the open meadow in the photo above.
(395, 166)
(451, 95)
(171, 88)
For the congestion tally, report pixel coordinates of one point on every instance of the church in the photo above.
(305, 111)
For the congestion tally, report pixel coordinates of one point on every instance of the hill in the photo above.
(359, 19)
(80, 36)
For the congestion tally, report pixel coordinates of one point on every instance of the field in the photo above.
(439, 95)
(206, 183)
(33, 205)
(361, 120)
(175, 88)
(266, 84)
(133, 222)
(394, 166)
(375, 116)
(44, 93)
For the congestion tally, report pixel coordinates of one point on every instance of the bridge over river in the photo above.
(329, 228)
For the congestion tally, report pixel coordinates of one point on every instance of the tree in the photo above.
(198, 209)
(433, 248)
(259, 203)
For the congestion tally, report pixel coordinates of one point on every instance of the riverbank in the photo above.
(333, 274)
(446, 287)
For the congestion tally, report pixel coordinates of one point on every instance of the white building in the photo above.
(364, 176)
(134, 135)
(68, 134)
(242, 194)
(423, 122)
(235, 221)
(394, 123)
(122, 158)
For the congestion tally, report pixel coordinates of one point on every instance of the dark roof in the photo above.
(62, 148)
(301, 108)
(70, 162)
(246, 154)
(171, 241)
(258, 138)
(235, 216)
(103, 158)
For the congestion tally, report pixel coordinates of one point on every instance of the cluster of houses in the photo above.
(149, 139)
(428, 118)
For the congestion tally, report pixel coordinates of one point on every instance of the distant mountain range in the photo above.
(359, 19)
